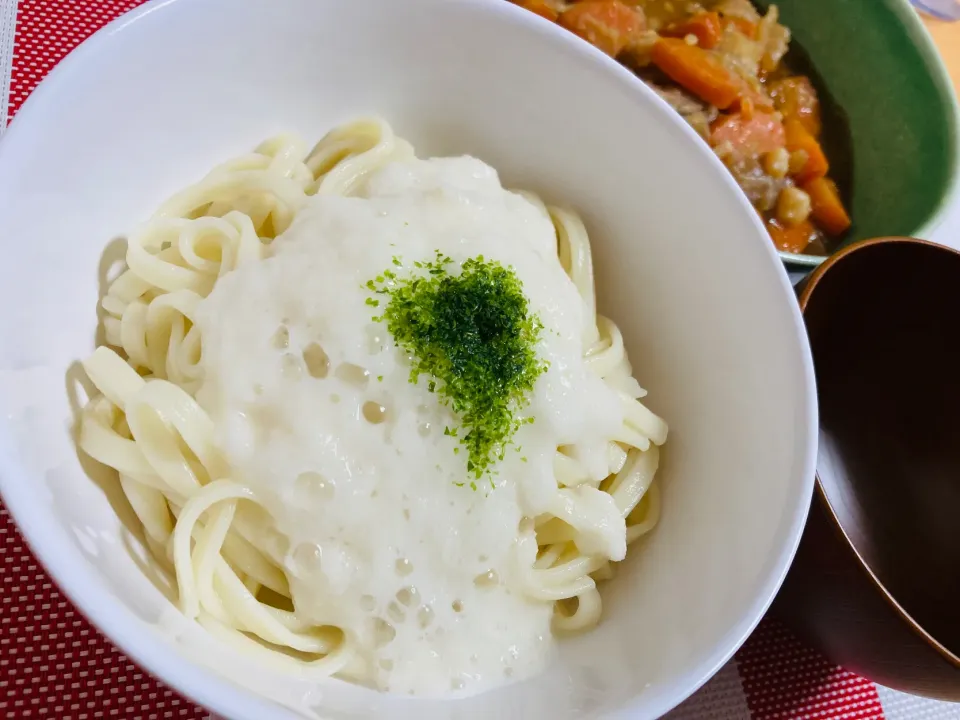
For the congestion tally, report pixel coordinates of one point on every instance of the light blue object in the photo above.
(943, 9)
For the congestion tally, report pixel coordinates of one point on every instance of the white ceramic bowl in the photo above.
(159, 97)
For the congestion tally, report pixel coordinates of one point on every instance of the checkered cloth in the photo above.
(54, 665)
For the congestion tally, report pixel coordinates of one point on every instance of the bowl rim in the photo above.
(820, 493)
(937, 68)
(220, 694)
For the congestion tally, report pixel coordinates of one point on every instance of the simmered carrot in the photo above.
(540, 7)
(606, 24)
(748, 136)
(698, 71)
(797, 99)
(741, 25)
(705, 26)
(793, 239)
(826, 206)
(799, 138)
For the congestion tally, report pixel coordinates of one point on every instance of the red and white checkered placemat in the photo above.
(55, 665)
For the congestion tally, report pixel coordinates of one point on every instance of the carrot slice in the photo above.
(799, 138)
(748, 136)
(741, 25)
(698, 71)
(606, 24)
(705, 26)
(793, 239)
(539, 7)
(797, 99)
(826, 207)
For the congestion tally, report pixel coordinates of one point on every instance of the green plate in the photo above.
(890, 113)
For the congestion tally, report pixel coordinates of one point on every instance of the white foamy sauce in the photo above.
(315, 413)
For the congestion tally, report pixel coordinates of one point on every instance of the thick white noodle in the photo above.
(147, 425)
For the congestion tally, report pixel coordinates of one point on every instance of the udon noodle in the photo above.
(203, 517)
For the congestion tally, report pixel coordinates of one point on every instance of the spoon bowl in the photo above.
(876, 583)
